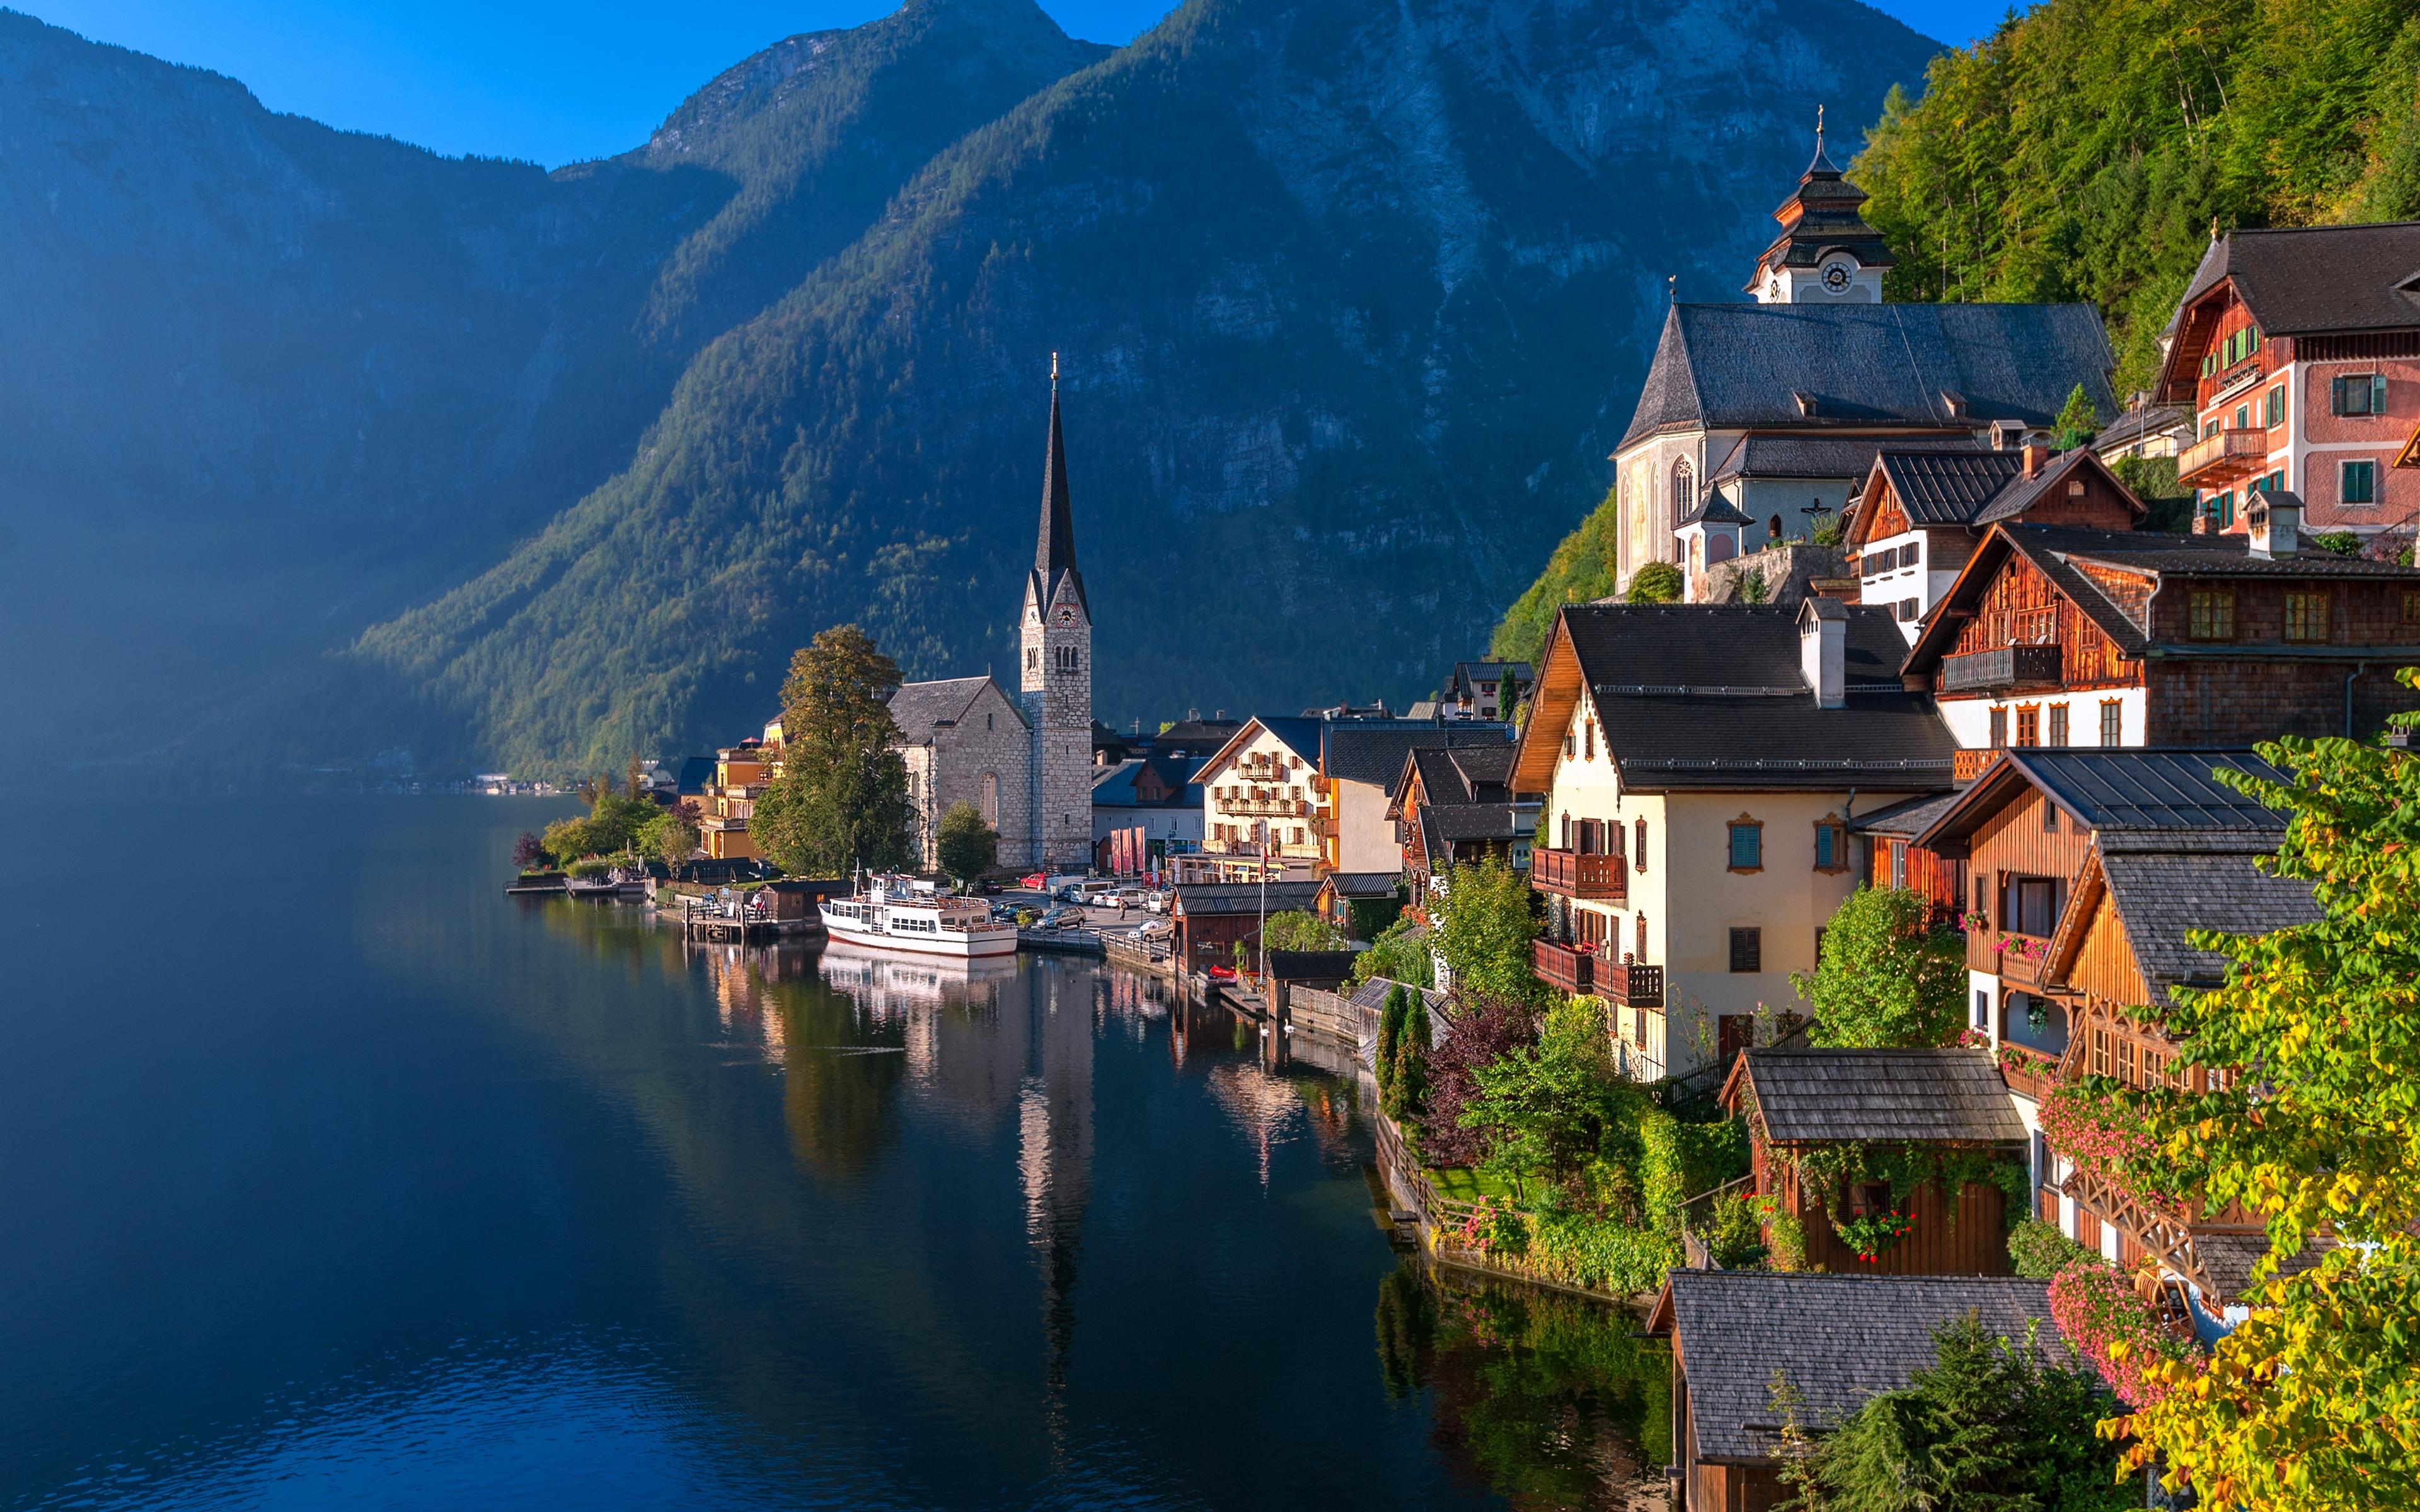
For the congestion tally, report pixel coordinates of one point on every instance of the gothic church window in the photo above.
(1684, 491)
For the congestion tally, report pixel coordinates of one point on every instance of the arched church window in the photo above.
(1033, 660)
(1684, 491)
(991, 800)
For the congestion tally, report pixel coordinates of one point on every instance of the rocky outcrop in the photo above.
(1777, 575)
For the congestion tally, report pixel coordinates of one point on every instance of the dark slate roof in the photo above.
(1114, 786)
(1728, 706)
(2153, 789)
(1312, 966)
(2150, 420)
(2024, 493)
(2159, 895)
(1204, 735)
(1829, 458)
(2322, 278)
(1948, 487)
(1054, 549)
(1836, 1339)
(1711, 508)
(1360, 753)
(917, 707)
(2204, 556)
(1210, 900)
(1463, 822)
(1464, 774)
(1363, 883)
(1817, 1095)
(2227, 1258)
(1908, 818)
(1372, 994)
(1747, 366)
(695, 773)
(1297, 735)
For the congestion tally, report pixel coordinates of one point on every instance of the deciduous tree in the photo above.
(968, 846)
(1886, 978)
(841, 801)
(1485, 928)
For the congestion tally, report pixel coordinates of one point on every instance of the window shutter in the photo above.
(2377, 393)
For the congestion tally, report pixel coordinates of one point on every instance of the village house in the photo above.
(1257, 797)
(1144, 809)
(2298, 354)
(2052, 636)
(1360, 763)
(2085, 869)
(1916, 520)
(1361, 903)
(1489, 690)
(741, 775)
(1693, 837)
(1212, 918)
(1799, 1102)
(1457, 806)
(1743, 390)
(1833, 1341)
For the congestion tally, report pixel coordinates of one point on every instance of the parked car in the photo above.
(1160, 903)
(1063, 918)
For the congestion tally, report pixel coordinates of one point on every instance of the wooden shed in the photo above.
(1797, 1100)
(1836, 1340)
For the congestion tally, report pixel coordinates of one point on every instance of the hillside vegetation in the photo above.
(2082, 152)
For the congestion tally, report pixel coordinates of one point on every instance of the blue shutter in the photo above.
(1823, 845)
(2377, 393)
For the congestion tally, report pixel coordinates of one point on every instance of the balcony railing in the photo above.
(1997, 672)
(1571, 875)
(1266, 808)
(2028, 1072)
(1967, 765)
(1631, 983)
(2215, 461)
(1566, 966)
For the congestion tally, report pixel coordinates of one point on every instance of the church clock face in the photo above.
(1067, 616)
(1835, 278)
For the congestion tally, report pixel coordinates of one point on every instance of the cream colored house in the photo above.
(1701, 764)
(1266, 774)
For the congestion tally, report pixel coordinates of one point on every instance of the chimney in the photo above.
(2275, 520)
(1822, 650)
(2034, 453)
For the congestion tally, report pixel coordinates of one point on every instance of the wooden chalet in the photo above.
(2053, 636)
(1887, 855)
(1835, 1341)
(1795, 1100)
(2088, 868)
(1916, 522)
(1456, 804)
(1211, 917)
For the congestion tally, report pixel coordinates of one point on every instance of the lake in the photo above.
(334, 1178)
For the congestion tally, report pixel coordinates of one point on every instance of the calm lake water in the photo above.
(333, 1178)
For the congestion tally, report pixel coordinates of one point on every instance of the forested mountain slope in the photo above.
(2084, 151)
(270, 382)
(1352, 299)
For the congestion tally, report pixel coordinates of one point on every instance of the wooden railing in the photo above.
(2224, 458)
(1998, 670)
(1598, 878)
(1563, 965)
(1632, 985)
(2029, 1072)
(1967, 765)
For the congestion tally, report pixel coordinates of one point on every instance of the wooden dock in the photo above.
(1062, 941)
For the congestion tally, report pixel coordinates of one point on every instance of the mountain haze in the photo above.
(1352, 301)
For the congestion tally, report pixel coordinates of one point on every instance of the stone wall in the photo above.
(1056, 680)
(991, 739)
(1781, 571)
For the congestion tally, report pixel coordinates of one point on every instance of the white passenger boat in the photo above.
(903, 914)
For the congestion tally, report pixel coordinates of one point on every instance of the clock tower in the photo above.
(1826, 254)
(1055, 672)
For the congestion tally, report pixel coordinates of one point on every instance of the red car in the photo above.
(1034, 883)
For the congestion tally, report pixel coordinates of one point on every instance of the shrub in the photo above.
(1485, 928)
(1582, 1250)
(1400, 953)
(1477, 1033)
(1677, 1161)
(966, 846)
(2039, 1251)
(2112, 1326)
(529, 852)
(1734, 1236)
(1785, 1236)
(2338, 543)
(1658, 583)
(1295, 929)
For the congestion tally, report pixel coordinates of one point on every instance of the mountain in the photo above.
(270, 383)
(1352, 301)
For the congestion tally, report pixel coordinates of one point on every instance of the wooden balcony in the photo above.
(2000, 671)
(1265, 808)
(1566, 966)
(1571, 875)
(1967, 765)
(2028, 1072)
(2228, 457)
(1632, 984)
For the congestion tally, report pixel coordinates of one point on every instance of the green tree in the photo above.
(968, 847)
(1988, 1427)
(1543, 1108)
(1399, 953)
(1886, 978)
(1582, 569)
(2077, 422)
(1298, 930)
(2314, 1401)
(841, 800)
(1485, 928)
(1391, 1033)
(673, 841)
(1408, 1097)
(1658, 583)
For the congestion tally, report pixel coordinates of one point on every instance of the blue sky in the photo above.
(549, 80)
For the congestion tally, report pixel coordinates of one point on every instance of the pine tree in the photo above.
(1391, 1031)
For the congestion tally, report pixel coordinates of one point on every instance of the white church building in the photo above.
(1024, 761)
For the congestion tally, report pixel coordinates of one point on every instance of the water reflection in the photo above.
(1549, 1400)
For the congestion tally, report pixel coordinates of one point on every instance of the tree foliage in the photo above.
(1485, 929)
(1399, 953)
(611, 824)
(1583, 567)
(2314, 1402)
(968, 846)
(1988, 1427)
(1480, 1030)
(672, 840)
(2077, 422)
(1543, 1108)
(1658, 583)
(842, 798)
(1296, 929)
(1886, 978)
(2083, 150)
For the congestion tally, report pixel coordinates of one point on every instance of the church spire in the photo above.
(1054, 553)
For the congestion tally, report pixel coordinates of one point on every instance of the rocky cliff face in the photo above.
(1352, 301)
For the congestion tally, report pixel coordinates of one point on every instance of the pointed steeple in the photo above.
(1054, 552)
(1821, 222)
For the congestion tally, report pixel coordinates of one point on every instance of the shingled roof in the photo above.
(2159, 895)
(1802, 367)
(1946, 488)
(2318, 278)
(1837, 1340)
(1214, 900)
(1811, 1096)
(2154, 788)
(1908, 818)
(1729, 706)
(917, 707)
(1374, 752)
